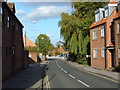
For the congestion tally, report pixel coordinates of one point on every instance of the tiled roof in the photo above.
(111, 45)
(11, 5)
(28, 42)
(117, 15)
(103, 20)
(113, 2)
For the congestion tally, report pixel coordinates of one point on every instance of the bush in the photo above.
(117, 68)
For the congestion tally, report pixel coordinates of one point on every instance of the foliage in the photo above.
(31, 49)
(75, 28)
(57, 53)
(117, 68)
(52, 47)
(43, 44)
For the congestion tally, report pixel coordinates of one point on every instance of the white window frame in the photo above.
(103, 53)
(118, 25)
(95, 53)
(95, 35)
(102, 32)
(106, 12)
(118, 52)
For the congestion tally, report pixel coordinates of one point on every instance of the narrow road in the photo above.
(62, 75)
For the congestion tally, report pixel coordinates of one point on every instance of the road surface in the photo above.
(62, 75)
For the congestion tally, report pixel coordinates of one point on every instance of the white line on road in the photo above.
(65, 71)
(61, 69)
(83, 83)
(71, 76)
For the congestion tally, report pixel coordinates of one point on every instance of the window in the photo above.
(118, 52)
(95, 52)
(103, 53)
(106, 12)
(102, 32)
(8, 21)
(119, 28)
(97, 15)
(95, 35)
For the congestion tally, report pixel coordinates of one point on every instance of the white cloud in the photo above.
(20, 12)
(45, 12)
(49, 34)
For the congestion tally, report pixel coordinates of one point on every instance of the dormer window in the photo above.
(106, 11)
(97, 16)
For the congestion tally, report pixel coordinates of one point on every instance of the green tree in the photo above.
(31, 49)
(43, 44)
(75, 28)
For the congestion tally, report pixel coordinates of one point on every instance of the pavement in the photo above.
(103, 72)
(32, 77)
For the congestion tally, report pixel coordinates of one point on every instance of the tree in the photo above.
(43, 44)
(31, 49)
(75, 28)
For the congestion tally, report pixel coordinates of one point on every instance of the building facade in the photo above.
(12, 42)
(33, 57)
(103, 38)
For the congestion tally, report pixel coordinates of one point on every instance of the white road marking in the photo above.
(71, 76)
(61, 69)
(65, 72)
(83, 83)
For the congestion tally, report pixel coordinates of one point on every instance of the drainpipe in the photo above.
(105, 44)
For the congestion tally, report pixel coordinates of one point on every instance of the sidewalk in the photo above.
(105, 73)
(32, 77)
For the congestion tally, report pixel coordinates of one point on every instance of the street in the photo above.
(62, 75)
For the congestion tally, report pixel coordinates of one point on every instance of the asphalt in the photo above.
(63, 75)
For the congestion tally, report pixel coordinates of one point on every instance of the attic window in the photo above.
(106, 12)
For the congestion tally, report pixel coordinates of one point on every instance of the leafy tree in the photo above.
(75, 28)
(43, 44)
(31, 49)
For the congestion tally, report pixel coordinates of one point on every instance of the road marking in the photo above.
(61, 69)
(71, 76)
(65, 72)
(83, 83)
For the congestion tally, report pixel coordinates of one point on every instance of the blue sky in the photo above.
(41, 18)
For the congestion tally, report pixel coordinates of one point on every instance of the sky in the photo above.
(41, 18)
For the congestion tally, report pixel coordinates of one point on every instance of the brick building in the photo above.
(13, 54)
(33, 57)
(103, 37)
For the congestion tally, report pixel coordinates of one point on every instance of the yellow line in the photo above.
(96, 75)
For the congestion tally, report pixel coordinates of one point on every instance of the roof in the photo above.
(117, 15)
(11, 5)
(103, 20)
(113, 2)
(28, 42)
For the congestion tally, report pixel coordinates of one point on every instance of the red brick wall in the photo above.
(98, 44)
(11, 62)
(117, 38)
(32, 57)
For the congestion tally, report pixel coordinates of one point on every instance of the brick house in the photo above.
(13, 54)
(103, 38)
(33, 57)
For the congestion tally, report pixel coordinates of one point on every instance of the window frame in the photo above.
(94, 35)
(118, 30)
(95, 53)
(102, 32)
(103, 53)
(118, 52)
